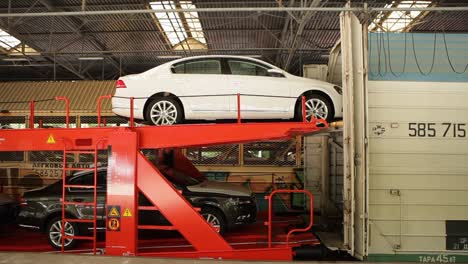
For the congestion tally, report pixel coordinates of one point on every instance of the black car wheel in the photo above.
(54, 233)
(215, 218)
(164, 111)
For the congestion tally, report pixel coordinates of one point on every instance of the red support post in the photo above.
(304, 112)
(40, 123)
(67, 108)
(121, 208)
(238, 109)
(132, 117)
(99, 107)
(31, 114)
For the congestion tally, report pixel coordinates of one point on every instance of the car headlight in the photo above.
(338, 89)
(239, 201)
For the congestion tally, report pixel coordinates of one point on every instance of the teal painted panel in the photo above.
(216, 176)
(421, 257)
(418, 57)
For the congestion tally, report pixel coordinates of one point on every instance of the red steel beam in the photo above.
(151, 136)
(175, 208)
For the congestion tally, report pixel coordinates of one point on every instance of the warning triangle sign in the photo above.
(114, 212)
(127, 213)
(51, 139)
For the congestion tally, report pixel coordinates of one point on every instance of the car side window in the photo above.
(179, 68)
(88, 179)
(209, 66)
(239, 67)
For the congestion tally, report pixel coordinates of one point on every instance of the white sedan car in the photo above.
(205, 88)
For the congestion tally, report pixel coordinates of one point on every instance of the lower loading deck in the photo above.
(245, 237)
(129, 172)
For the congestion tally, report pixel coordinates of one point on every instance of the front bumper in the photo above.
(244, 214)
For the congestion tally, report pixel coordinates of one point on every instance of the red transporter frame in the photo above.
(130, 171)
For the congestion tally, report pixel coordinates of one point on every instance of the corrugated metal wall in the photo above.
(83, 95)
(323, 168)
(418, 167)
(314, 162)
(336, 169)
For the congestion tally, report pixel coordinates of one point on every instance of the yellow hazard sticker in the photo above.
(114, 212)
(51, 139)
(127, 213)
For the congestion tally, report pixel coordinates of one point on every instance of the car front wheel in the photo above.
(316, 106)
(215, 218)
(164, 111)
(54, 233)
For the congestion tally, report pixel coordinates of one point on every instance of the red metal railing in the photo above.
(238, 109)
(132, 108)
(102, 97)
(304, 114)
(270, 214)
(132, 111)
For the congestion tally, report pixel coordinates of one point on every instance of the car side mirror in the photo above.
(275, 73)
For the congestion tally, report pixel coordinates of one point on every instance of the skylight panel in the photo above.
(398, 21)
(193, 21)
(175, 25)
(7, 41)
(170, 22)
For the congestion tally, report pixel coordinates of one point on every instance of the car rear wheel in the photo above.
(164, 111)
(317, 106)
(54, 233)
(215, 218)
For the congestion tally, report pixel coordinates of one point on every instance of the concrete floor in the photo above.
(52, 258)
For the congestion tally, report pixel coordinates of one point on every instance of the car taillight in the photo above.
(23, 202)
(120, 84)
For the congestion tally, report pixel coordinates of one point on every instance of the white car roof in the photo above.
(221, 56)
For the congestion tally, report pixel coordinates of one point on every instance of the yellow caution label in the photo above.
(114, 212)
(51, 139)
(127, 212)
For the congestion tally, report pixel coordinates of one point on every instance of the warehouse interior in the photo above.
(388, 176)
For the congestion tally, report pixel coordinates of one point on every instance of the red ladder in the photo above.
(65, 202)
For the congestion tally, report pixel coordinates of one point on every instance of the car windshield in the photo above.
(180, 178)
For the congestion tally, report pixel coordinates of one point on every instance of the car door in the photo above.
(87, 194)
(205, 92)
(262, 95)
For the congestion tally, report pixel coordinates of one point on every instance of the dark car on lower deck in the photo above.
(224, 205)
(9, 209)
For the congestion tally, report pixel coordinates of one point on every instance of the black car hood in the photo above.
(220, 188)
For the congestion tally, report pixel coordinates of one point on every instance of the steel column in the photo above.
(121, 211)
(234, 9)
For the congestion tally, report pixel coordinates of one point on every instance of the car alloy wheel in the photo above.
(163, 113)
(316, 108)
(213, 221)
(55, 233)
